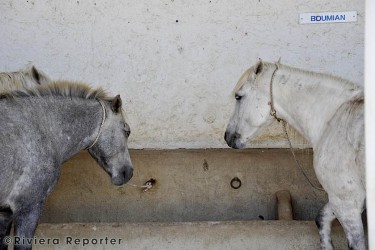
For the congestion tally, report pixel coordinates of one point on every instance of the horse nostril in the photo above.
(128, 173)
(230, 137)
(233, 139)
(236, 136)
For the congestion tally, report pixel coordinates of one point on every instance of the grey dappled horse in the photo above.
(328, 112)
(28, 77)
(39, 130)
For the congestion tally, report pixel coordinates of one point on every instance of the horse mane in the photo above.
(317, 74)
(27, 77)
(13, 80)
(291, 69)
(59, 89)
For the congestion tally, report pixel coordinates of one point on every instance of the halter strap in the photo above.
(273, 113)
(101, 125)
(273, 110)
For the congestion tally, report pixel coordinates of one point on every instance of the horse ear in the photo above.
(35, 74)
(259, 67)
(116, 104)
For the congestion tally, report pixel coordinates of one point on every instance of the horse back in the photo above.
(23, 151)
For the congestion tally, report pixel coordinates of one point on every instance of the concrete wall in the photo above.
(191, 185)
(175, 62)
(191, 206)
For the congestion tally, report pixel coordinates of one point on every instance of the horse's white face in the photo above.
(252, 110)
(111, 149)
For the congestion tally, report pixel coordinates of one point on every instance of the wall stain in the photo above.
(205, 165)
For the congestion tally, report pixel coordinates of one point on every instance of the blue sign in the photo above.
(328, 17)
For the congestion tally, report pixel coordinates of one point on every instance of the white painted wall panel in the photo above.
(175, 62)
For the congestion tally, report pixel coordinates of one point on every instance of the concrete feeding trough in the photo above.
(197, 199)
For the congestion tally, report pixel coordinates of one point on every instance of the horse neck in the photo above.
(307, 101)
(74, 124)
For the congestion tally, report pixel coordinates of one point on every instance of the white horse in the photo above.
(329, 112)
(28, 77)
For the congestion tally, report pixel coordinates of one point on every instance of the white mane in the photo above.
(25, 78)
(294, 70)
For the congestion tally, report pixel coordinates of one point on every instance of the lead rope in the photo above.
(101, 125)
(273, 113)
(145, 187)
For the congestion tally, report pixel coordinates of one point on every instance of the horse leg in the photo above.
(5, 226)
(353, 227)
(25, 225)
(324, 221)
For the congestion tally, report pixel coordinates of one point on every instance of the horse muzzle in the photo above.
(234, 140)
(123, 177)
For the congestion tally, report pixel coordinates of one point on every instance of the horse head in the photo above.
(252, 94)
(110, 148)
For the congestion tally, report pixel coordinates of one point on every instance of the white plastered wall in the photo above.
(175, 62)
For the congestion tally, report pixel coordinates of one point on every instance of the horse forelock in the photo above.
(247, 73)
(242, 80)
(59, 89)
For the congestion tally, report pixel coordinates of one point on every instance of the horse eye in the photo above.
(238, 97)
(127, 132)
